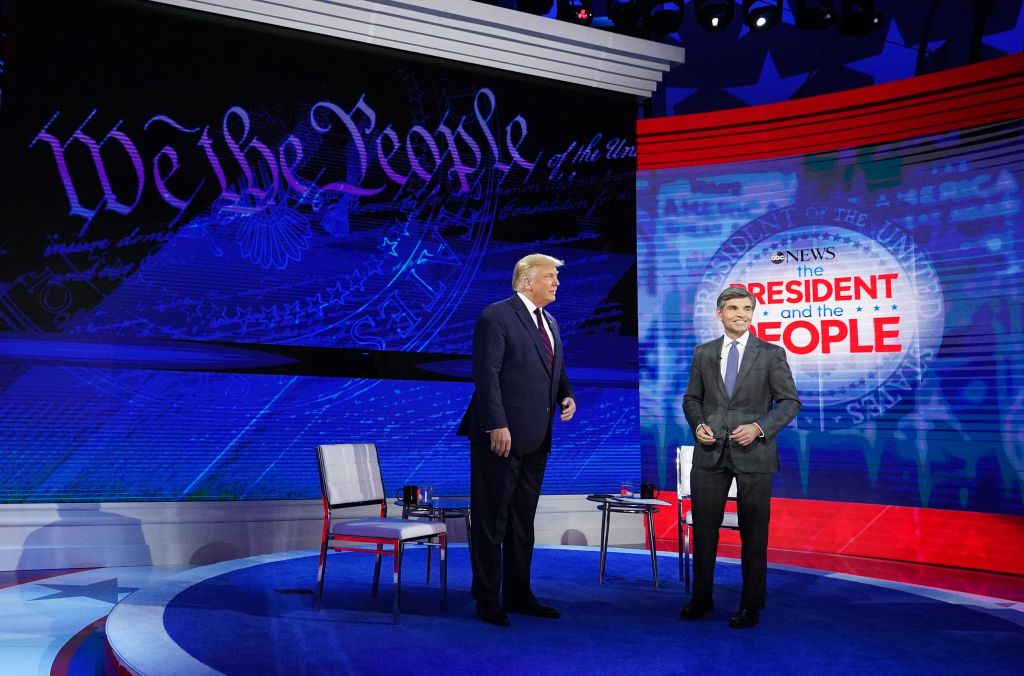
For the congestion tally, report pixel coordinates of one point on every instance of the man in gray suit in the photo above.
(519, 372)
(740, 394)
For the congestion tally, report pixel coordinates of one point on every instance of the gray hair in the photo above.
(526, 265)
(732, 292)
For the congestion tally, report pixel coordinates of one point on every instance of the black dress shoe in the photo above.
(693, 610)
(492, 615)
(536, 608)
(745, 619)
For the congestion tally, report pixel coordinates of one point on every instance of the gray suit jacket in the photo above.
(764, 394)
(514, 387)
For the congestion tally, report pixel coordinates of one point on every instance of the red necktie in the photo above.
(549, 354)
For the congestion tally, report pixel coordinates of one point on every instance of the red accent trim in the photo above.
(984, 93)
(14, 578)
(943, 537)
(62, 661)
(112, 663)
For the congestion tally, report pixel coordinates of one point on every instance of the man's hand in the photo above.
(744, 435)
(568, 409)
(704, 435)
(501, 441)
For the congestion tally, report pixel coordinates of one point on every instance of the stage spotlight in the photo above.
(858, 17)
(815, 14)
(666, 17)
(760, 15)
(575, 11)
(715, 15)
(534, 6)
(626, 15)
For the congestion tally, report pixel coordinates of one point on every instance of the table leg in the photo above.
(650, 542)
(605, 518)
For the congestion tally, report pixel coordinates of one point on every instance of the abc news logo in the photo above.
(803, 255)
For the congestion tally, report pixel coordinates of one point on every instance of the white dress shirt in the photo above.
(531, 307)
(727, 345)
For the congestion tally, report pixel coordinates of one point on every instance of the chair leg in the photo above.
(430, 552)
(650, 542)
(396, 600)
(443, 549)
(320, 570)
(679, 537)
(376, 570)
(686, 550)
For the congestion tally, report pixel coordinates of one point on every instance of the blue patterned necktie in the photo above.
(732, 367)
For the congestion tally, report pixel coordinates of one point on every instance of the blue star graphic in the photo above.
(770, 86)
(676, 95)
(897, 61)
(877, 308)
(766, 313)
(374, 265)
(338, 293)
(859, 308)
(358, 283)
(894, 306)
(1011, 41)
(933, 47)
(107, 591)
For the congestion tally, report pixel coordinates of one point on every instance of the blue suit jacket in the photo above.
(514, 387)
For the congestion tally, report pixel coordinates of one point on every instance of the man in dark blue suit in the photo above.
(519, 372)
(740, 395)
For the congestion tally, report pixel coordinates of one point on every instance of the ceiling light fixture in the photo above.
(666, 17)
(815, 14)
(760, 15)
(858, 17)
(715, 15)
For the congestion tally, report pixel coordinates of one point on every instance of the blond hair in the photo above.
(526, 265)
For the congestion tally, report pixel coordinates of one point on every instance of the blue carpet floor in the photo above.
(259, 619)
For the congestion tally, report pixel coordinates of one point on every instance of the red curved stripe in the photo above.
(984, 93)
(62, 662)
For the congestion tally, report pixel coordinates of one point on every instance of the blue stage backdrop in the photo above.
(893, 276)
(224, 244)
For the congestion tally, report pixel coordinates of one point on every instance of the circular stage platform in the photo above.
(256, 616)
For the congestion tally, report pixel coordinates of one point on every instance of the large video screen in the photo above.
(893, 276)
(224, 243)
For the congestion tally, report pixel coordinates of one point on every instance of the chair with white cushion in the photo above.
(350, 477)
(684, 461)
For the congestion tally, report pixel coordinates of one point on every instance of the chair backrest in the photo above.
(350, 474)
(684, 461)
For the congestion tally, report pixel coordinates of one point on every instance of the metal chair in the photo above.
(350, 477)
(684, 461)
